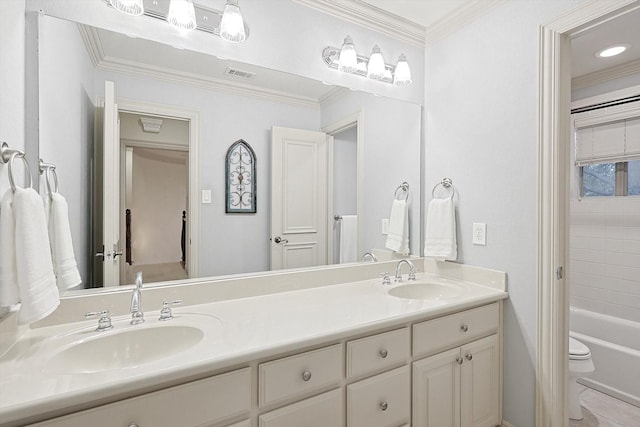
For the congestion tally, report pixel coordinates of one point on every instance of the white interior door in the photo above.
(298, 198)
(111, 188)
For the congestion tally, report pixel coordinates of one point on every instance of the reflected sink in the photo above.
(428, 291)
(124, 349)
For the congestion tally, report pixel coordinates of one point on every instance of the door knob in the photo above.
(278, 239)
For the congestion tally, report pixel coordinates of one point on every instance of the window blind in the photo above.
(608, 142)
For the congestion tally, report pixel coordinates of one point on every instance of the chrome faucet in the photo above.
(137, 316)
(369, 255)
(412, 270)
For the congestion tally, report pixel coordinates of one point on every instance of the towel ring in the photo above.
(26, 166)
(404, 187)
(447, 184)
(49, 169)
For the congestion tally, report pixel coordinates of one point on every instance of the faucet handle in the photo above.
(412, 275)
(165, 313)
(104, 322)
(385, 278)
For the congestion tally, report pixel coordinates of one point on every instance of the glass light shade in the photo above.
(402, 74)
(182, 15)
(348, 60)
(232, 24)
(375, 68)
(130, 7)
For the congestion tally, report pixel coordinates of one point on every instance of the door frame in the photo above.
(193, 214)
(355, 119)
(554, 100)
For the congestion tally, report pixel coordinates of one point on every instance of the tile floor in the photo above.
(601, 410)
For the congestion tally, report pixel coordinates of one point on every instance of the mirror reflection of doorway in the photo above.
(154, 197)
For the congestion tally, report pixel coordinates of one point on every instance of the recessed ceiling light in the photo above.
(612, 51)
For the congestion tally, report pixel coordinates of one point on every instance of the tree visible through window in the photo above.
(599, 180)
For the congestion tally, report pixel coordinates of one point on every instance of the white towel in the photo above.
(440, 230)
(398, 233)
(64, 260)
(39, 295)
(9, 292)
(348, 238)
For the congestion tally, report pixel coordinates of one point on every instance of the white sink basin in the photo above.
(124, 349)
(428, 291)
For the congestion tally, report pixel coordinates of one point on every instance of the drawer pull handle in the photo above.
(464, 328)
(384, 354)
(306, 376)
(459, 360)
(384, 406)
(469, 356)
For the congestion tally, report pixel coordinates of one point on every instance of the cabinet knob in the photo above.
(469, 356)
(306, 376)
(133, 425)
(464, 328)
(384, 353)
(459, 360)
(384, 406)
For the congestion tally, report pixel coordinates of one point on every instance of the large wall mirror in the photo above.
(178, 113)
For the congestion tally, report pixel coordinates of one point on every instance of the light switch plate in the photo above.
(385, 226)
(479, 233)
(206, 196)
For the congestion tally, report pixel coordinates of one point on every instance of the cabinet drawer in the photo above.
(377, 352)
(197, 403)
(298, 375)
(245, 423)
(380, 401)
(320, 411)
(455, 329)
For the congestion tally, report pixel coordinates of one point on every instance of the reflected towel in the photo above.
(398, 233)
(348, 238)
(440, 230)
(64, 260)
(39, 295)
(9, 292)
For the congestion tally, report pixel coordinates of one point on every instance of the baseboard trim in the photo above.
(506, 424)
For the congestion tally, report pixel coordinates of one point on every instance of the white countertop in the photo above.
(236, 332)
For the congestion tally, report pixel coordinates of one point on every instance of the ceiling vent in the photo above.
(234, 72)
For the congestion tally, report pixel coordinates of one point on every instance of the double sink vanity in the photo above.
(357, 353)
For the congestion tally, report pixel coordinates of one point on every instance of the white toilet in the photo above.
(580, 365)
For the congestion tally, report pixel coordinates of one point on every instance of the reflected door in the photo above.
(298, 198)
(110, 188)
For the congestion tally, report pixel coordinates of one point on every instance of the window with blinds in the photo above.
(608, 158)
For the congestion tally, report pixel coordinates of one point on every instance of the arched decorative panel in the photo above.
(240, 178)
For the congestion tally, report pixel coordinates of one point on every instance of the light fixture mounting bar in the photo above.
(331, 56)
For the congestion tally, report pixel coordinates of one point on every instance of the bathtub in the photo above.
(615, 350)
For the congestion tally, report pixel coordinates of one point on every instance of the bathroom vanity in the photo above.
(351, 354)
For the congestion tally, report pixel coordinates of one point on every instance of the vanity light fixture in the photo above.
(232, 27)
(185, 16)
(182, 15)
(348, 61)
(612, 51)
(130, 7)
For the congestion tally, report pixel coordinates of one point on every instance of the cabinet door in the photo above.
(436, 390)
(320, 411)
(480, 388)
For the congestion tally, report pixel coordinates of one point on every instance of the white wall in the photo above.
(345, 180)
(391, 147)
(481, 131)
(606, 87)
(66, 121)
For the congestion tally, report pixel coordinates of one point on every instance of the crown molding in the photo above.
(102, 62)
(459, 18)
(616, 72)
(371, 17)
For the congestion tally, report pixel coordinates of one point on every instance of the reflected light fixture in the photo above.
(232, 25)
(402, 74)
(612, 51)
(348, 61)
(182, 15)
(130, 7)
(375, 66)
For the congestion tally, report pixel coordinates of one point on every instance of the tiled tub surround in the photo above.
(245, 331)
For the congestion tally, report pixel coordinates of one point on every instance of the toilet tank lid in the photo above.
(576, 348)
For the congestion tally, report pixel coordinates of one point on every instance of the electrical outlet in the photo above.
(479, 233)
